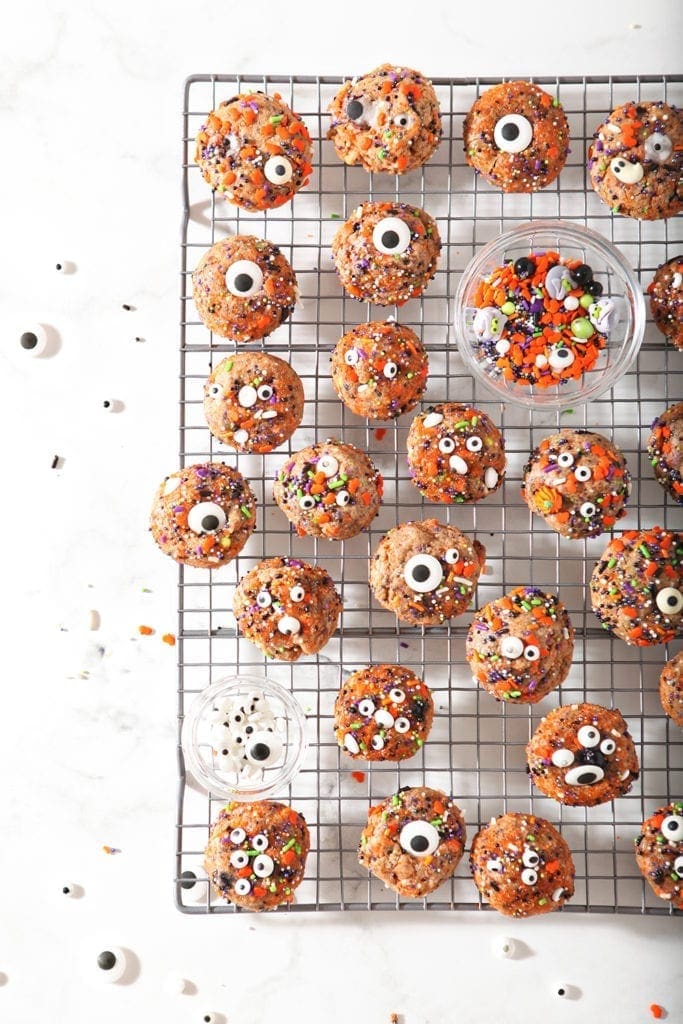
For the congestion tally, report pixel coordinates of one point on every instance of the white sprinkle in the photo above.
(241, 437)
(269, 414)
(171, 485)
(541, 360)
(351, 744)
(502, 346)
(93, 619)
(461, 579)
(458, 464)
(432, 419)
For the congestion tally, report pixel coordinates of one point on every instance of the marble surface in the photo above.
(90, 95)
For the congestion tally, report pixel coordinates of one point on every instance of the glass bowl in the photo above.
(243, 738)
(619, 283)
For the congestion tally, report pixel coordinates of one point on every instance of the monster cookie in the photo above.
(254, 151)
(413, 841)
(286, 607)
(455, 453)
(243, 288)
(386, 252)
(637, 586)
(671, 689)
(203, 515)
(387, 121)
(379, 370)
(520, 646)
(578, 482)
(522, 866)
(659, 853)
(517, 137)
(665, 448)
(666, 300)
(329, 490)
(253, 402)
(582, 755)
(256, 855)
(426, 572)
(383, 713)
(635, 161)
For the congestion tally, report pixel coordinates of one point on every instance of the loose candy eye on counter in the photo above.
(33, 340)
(110, 964)
(503, 947)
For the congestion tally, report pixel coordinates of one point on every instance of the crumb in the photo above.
(110, 850)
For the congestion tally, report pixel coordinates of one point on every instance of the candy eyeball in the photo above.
(237, 836)
(239, 859)
(584, 775)
(565, 460)
(402, 725)
(307, 502)
(419, 838)
(511, 647)
(263, 866)
(244, 278)
(297, 594)
(351, 357)
(432, 419)
(173, 985)
(242, 886)
(264, 749)
(391, 236)
(111, 964)
(265, 392)
(627, 172)
(503, 947)
(263, 599)
(406, 119)
(247, 396)
(397, 695)
(583, 473)
(33, 340)
(588, 736)
(390, 370)
(562, 990)
(562, 758)
(560, 358)
(211, 1018)
(384, 718)
(531, 652)
(529, 876)
(377, 742)
(658, 147)
(327, 465)
(474, 444)
(71, 890)
(608, 746)
(288, 625)
(193, 884)
(423, 573)
(366, 708)
(278, 170)
(206, 517)
(678, 865)
(530, 858)
(669, 600)
(588, 510)
(513, 133)
(343, 498)
(355, 110)
(215, 391)
(672, 828)
(452, 556)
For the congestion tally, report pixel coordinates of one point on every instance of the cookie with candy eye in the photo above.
(243, 288)
(383, 713)
(455, 453)
(578, 481)
(413, 841)
(666, 300)
(671, 689)
(665, 450)
(636, 158)
(386, 252)
(659, 853)
(582, 755)
(203, 515)
(517, 137)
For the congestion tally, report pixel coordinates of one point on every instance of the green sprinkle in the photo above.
(556, 102)
(297, 847)
(542, 902)
(289, 845)
(336, 485)
(674, 875)
(410, 376)
(395, 800)
(272, 887)
(536, 601)
(526, 606)
(514, 693)
(275, 118)
(678, 808)
(419, 742)
(381, 153)
(461, 425)
(645, 551)
(146, 590)
(245, 511)
(335, 216)
(567, 412)
(531, 839)
(436, 822)
(228, 365)
(356, 725)
(612, 562)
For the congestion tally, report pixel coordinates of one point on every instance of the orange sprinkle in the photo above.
(656, 1010)
(145, 630)
(358, 776)
(169, 638)
(380, 433)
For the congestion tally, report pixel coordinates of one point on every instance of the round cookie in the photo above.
(286, 607)
(387, 121)
(522, 866)
(578, 482)
(635, 160)
(253, 401)
(256, 854)
(665, 448)
(243, 288)
(671, 689)
(659, 853)
(637, 586)
(386, 252)
(455, 453)
(517, 137)
(520, 646)
(379, 370)
(666, 300)
(254, 151)
(425, 572)
(582, 755)
(383, 713)
(329, 489)
(413, 841)
(203, 515)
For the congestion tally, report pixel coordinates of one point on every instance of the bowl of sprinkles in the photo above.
(549, 314)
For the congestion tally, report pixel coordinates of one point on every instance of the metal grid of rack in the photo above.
(476, 748)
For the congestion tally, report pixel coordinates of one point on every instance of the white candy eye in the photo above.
(247, 396)
(588, 510)
(419, 838)
(672, 827)
(351, 357)
(111, 964)
(343, 498)
(495, 864)
(503, 947)
(215, 391)
(432, 419)
(452, 556)
(658, 147)
(530, 859)
(562, 758)
(265, 392)
(367, 708)
(391, 236)
(583, 473)
(244, 278)
(404, 119)
(678, 865)
(328, 465)
(242, 887)
(355, 110)
(390, 370)
(377, 743)
(297, 594)
(423, 573)
(474, 444)
(513, 133)
(529, 876)
(560, 358)
(629, 173)
(447, 445)
(307, 502)
(206, 517)
(33, 341)
(402, 725)
(588, 736)
(676, 281)
(288, 625)
(239, 858)
(278, 170)
(263, 599)
(511, 647)
(669, 600)
(584, 775)
(260, 842)
(396, 696)
(264, 748)
(608, 746)
(565, 460)
(263, 866)
(384, 718)
(237, 836)
(531, 652)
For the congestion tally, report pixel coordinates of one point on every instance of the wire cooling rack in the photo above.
(476, 748)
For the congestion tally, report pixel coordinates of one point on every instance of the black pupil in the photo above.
(188, 880)
(586, 778)
(28, 340)
(106, 960)
(280, 168)
(658, 145)
(210, 523)
(243, 282)
(354, 109)
(420, 573)
(510, 131)
(260, 751)
(671, 600)
(673, 826)
(562, 353)
(419, 843)
(390, 239)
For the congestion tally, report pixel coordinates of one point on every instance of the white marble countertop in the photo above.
(89, 106)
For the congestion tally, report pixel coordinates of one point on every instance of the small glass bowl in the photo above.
(610, 268)
(198, 748)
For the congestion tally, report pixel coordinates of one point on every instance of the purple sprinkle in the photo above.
(537, 165)
(403, 644)
(163, 538)
(599, 146)
(203, 472)
(549, 468)
(178, 508)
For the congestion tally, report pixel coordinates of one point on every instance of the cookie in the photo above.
(636, 158)
(659, 853)
(286, 607)
(666, 300)
(671, 689)
(203, 515)
(253, 402)
(387, 121)
(329, 489)
(665, 449)
(517, 137)
(386, 252)
(413, 841)
(383, 713)
(243, 288)
(582, 755)
(578, 481)
(522, 866)
(379, 370)
(637, 586)
(520, 646)
(455, 453)
(256, 854)
(254, 151)
(426, 572)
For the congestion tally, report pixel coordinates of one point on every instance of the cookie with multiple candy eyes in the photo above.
(582, 755)
(666, 300)
(386, 252)
(517, 137)
(413, 841)
(578, 481)
(636, 158)
(254, 151)
(455, 453)
(665, 449)
(671, 689)
(520, 646)
(383, 713)
(286, 607)
(203, 515)
(386, 121)
(256, 854)
(659, 853)
(522, 866)
(244, 288)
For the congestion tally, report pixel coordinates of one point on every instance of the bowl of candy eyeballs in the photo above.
(548, 315)
(244, 738)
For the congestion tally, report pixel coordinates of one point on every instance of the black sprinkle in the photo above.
(55, 462)
(127, 307)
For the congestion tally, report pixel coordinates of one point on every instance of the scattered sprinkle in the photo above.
(335, 216)
(110, 850)
(358, 776)
(656, 1010)
(169, 638)
(127, 307)
(381, 433)
(55, 462)
(145, 630)
(567, 412)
